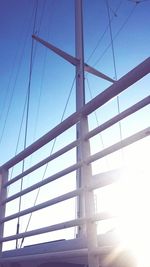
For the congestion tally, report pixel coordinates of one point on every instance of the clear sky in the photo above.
(52, 77)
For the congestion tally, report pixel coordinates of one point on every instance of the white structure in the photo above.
(87, 248)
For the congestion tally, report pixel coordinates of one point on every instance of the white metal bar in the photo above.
(104, 250)
(43, 230)
(128, 141)
(104, 126)
(101, 216)
(48, 256)
(56, 131)
(119, 86)
(43, 205)
(57, 51)
(85, 203)
(59, 226)
(59, 255)
(3, 196)
(80, 102)
(44, 182)
(99, 180)
(71, 59)
(141, 104)
(97, 73)
(105, 178)
(41, 163)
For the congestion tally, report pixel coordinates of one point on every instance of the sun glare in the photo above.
(129, 200)
(133, 215)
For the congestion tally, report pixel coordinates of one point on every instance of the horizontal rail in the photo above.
(56, 131)
(105, 178)
(43, 162)
(100, 216)
(56, 227)
(43, 205)
(44, 182)
(99, 180)
(141, 104)
(66, 254)
(119, 86)
(59, 226)
(49, 255)
(125, 142)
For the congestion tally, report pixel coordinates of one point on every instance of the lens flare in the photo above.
(129, 201)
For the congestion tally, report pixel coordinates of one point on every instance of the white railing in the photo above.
(100, 180)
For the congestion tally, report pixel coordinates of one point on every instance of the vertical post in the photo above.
(85, 203)
(80, 97)
(3, 195)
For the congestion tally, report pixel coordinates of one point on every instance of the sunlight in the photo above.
(133, 215)
(129, 200)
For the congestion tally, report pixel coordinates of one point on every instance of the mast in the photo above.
(80, 96)
(85, 202)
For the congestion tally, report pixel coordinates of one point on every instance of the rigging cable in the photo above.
(42, 78)
(103, 34)
(43, 68)
(25, 103)
(46, 166)
(116, 35)
(39, 98)
(96, 117)
(27, 112)
(115, 69)
(18, 139)
(15, 82)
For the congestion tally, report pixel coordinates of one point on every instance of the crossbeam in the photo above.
(73, 60)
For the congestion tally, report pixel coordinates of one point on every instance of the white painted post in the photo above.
(3, 195)
(80, 100)
(85, 204)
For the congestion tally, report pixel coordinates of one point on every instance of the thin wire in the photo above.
(18, 139)
(23, 113)
(38, 26)
(15, 82)
(27, 112)
(37, 115)
(103, 34)
(43, 69)
(96, 117)
(25, 103)
(115, 70)
(42, 78)
(46, 167)
(111, 38)
(41, 17)
(116, 35)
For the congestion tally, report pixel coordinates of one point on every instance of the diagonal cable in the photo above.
(103, 34)
(27, 114)
(46, 167)
(115, 68)
(116, 35)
